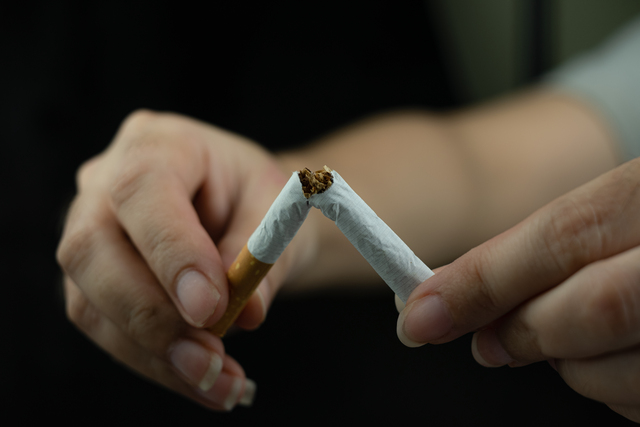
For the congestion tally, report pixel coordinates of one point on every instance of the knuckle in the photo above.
(80, 313)
(75, 310)
(614, 309)
(575, 377)
(75, 248)
(141, 321)
(129, 180)
(152, 325)
(164, 244)
(146, 129)
(484, 297)
(521, 340)
(86, 171)
(572, 234)
(139, 119)
(143, 156)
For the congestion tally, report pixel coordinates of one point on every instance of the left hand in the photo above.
(159, 217)
(562, 286)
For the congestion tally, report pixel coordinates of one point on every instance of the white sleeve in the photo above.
(609, 79)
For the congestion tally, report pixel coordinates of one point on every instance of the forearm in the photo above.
(527, 150)
(447, 183)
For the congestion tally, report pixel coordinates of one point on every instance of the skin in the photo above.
(171, 195)
(560, 286)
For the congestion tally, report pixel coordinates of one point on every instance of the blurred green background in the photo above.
(487, 42)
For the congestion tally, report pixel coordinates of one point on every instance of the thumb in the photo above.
(551, 245)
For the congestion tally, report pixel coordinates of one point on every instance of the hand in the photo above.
(562, 286)
(158, 218)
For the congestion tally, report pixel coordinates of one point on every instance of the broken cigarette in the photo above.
(390, 257)
(268, 241)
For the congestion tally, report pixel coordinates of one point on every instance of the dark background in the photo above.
(282, 73)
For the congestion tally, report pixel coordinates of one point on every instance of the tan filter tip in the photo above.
(244, 275)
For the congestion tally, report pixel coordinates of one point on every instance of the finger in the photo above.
(255, 312)
(631, 412)
(261, 188)
(161, 166)
(595, 311)
(612, 378)
(97, 256)
(185, 370)
(542, 251)
(400, 305)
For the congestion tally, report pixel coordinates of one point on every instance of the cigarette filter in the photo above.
(390, 257)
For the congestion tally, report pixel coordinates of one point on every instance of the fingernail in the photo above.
(249, 393)
(229, 392)
(198, 297)
(399, 304)
(423, 321)
(488, 351)
(232, 397)
(200, 366)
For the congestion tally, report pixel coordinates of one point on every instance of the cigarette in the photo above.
(264, 247)
(389, 256)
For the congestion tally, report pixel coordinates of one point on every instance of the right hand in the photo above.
(158, 218)
(563, 286)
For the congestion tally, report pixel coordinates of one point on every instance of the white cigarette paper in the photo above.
(390, 257)
(281, 223)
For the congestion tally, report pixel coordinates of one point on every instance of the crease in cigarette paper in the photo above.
(389, 256)
(281, 223)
